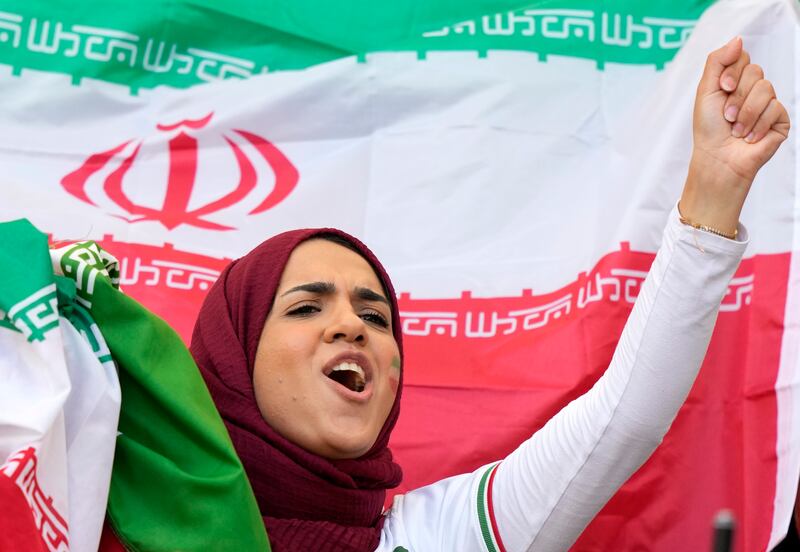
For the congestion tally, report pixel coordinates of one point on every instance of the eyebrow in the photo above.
(320, 288)
(327, 288)
(368, 295)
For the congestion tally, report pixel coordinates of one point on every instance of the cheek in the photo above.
(280, 367)
(280, 378)
(394, 380)
(290, 350)
(394, 371)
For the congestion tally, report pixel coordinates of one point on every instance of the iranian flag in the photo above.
(511, 163)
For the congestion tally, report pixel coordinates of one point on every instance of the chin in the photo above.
(342, 447)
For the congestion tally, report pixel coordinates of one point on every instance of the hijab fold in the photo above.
(307, 502)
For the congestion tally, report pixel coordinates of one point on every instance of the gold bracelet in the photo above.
(705, 228)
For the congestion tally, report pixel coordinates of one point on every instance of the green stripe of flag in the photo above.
(191, 42)
(27, 287)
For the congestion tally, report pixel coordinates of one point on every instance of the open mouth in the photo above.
(350, 375)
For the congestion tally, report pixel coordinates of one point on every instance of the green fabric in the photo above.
(177, 483)
(28, 300)
(165, 42)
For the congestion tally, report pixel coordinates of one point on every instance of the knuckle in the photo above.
(757, 70)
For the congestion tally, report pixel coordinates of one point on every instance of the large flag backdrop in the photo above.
(512, 164)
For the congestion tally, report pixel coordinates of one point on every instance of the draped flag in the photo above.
(511, 163)
(177, 483)
(60, 403)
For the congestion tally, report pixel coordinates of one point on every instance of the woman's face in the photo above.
(327, 365)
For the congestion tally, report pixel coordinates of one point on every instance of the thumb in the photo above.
(716, 63)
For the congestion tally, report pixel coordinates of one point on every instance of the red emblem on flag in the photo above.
(181, 178)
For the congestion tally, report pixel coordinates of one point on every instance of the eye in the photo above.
(374, 317)
(303, 310)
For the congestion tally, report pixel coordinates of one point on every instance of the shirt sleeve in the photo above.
(542, 496)
(546, 492)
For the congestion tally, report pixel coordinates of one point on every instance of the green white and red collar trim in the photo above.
(486, 517)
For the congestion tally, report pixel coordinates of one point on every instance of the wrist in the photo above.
(713, 196)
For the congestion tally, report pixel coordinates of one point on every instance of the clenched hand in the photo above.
(738, 125)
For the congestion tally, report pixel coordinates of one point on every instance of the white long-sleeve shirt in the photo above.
(542, 496)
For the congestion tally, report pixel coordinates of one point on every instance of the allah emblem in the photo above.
(180, 183)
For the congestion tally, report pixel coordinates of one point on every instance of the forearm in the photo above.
(549, 489)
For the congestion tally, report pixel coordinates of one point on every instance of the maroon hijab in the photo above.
(308, 502)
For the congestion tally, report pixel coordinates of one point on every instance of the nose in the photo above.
(347, 325)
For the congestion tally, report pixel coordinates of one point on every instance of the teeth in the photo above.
(349, 374)
(351, 367)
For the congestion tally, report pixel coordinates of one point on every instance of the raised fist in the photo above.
(738, 125)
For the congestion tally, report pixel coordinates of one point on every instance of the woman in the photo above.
(300, 345)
